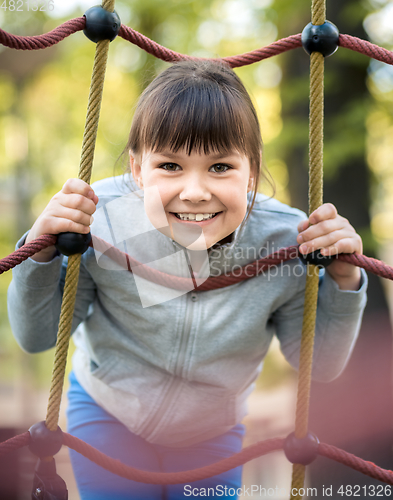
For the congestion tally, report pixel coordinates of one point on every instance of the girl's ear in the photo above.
(251, 181)
(136, 171)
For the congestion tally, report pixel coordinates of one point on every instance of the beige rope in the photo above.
(298, 476)
(72, 275)
(315, 200)
(318, 11)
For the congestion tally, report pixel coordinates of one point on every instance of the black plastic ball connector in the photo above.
(72, 243)
(101, 24)
(43, 442)
(321, 38)
(301, 451)
(316, 258)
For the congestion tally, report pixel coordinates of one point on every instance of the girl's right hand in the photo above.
(70, 210)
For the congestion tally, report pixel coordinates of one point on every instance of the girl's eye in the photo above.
(220, 168)
(170, 167)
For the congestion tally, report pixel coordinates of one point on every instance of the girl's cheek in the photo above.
(154, 207)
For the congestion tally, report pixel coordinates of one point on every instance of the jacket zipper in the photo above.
(168, 398)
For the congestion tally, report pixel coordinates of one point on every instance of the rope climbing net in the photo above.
(320, 38)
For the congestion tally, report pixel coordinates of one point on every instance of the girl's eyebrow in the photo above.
(217, 156)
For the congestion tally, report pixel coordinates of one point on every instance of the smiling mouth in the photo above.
(195, 217)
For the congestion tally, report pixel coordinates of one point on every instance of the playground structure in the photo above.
(102, 25)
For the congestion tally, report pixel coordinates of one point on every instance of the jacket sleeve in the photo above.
(339, 315)
(34, 301)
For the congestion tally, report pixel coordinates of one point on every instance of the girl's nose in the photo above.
(195, 190)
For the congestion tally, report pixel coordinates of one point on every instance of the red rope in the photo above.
(248, 271)
(292, 42)
(14, 443)
(367, 468)
(275, 48)
(72, 26)
(42, 41)
(157, 50)
(180, 283)
(115, 466)
(369, 264)
(254, 451)
(26, 251)
(366, 48)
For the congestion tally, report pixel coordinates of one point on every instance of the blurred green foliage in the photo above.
(44, 97)
(43, 107)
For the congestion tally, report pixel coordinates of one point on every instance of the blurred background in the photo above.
(43, 99)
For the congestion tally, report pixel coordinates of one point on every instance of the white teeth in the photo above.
(196, 217)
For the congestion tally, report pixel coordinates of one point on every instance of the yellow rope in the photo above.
(298, 475)
(72, 275)
(316, 131)
(315, 200)
(306, 352)
(318, 11)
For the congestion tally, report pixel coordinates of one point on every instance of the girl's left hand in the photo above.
(327, 231)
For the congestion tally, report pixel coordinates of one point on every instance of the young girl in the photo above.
(161, 376)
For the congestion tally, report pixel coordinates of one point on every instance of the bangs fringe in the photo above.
(197, 120)
(198, 116)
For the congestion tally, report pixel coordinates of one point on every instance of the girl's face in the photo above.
(204, 196)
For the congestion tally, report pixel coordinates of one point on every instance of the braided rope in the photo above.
(14, 443)
(366, 48)
(298, 477)
(248, 271)
(356, 463)
(126, 262)
(318, 17)
(318, 11)
(316, 131)
(42, 41)
(157, 50)
(26, 251)
(115, 466)
(254, 451)
(66, 29)
(374, 266)
(72, 276)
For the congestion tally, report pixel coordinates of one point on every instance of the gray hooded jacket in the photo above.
(176, 367)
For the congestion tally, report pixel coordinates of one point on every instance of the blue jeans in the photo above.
(92, 424)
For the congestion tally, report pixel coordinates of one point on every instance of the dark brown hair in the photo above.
(201, 106)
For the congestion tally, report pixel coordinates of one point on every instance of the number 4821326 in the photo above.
(28, 5)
